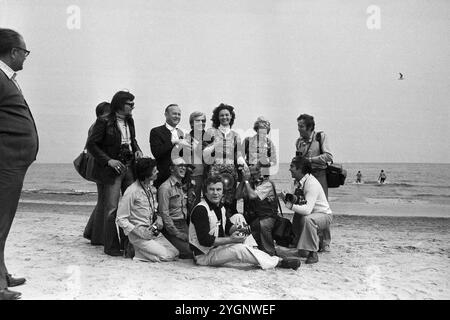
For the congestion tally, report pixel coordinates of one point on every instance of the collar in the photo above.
(303, 180)
(7, 70)
(211, 205)
(168, 126)
(175, 182)
(225, 130)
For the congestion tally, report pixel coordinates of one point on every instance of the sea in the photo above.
(407, 182)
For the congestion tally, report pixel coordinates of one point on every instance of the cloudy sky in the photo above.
(333, 59)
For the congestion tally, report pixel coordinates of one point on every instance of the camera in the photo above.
(295, 199)
(154, 229)
(125, 154)
(244, 230)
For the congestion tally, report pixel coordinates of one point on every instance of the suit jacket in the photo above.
(19, 141)
(104, 144)
(161, 147)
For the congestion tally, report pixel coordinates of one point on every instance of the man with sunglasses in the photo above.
(114, 147)
(18, 145)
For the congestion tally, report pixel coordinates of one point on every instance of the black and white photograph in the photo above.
(224, 150)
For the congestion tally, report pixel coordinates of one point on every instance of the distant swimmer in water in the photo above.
(400, 76)
(358, 177)
(382, 177)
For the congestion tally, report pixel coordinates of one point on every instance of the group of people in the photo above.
(183, 203)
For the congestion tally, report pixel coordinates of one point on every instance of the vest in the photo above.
(213, 227)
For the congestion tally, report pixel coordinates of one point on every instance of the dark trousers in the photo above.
(324, 235)
(11, 182)
(262, 232)
(95, 227)
(114, 238)
(197, 189)
(182, 245)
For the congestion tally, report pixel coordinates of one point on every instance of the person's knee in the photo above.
(266, 225)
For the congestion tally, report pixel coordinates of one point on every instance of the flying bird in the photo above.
(401, 76)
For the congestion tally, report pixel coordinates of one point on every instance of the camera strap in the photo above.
(150, 202)
(276, 197)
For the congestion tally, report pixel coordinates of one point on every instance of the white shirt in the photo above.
(9, 73)
(172, 130)
(315, 196)
(124, 131)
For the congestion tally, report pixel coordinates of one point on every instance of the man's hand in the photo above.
(159, 223)
(284, 193)
(289, 205)
(143, 233)
(181, 142)
(116, 165)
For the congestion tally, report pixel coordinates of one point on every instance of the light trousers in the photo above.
(154, 250)
(237, 252)
(307, 228)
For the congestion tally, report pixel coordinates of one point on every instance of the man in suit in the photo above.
(166, 139)
(114, 147)
(18, 145)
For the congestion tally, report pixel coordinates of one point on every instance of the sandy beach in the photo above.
(376, 253)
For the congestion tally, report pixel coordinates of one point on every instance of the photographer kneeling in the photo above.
(136, 215)
(312, 211)
(260, 207)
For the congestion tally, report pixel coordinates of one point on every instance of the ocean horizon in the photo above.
(418, 183)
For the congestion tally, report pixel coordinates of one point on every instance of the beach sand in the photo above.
(376, 253)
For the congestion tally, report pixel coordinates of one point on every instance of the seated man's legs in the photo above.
(237, 253)
(155, 250)
(309, 238)
(262, 232)
(182, 245)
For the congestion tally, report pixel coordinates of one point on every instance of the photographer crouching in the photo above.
(260, 207)
(311, 208)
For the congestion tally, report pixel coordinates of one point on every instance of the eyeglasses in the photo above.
(27, 52)
(130, 104)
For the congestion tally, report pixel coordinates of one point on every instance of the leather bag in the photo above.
(84, 165)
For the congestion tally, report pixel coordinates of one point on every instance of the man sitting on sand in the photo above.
(172, 208)
(311, 217)
(136, 215)
(208, 232)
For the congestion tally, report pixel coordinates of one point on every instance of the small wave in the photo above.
(386, 183)
(67, 203)
(429, 195)
(62, 191)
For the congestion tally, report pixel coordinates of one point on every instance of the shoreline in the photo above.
(381, 209)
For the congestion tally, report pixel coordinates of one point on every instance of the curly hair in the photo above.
(215, 117)
(144, 168)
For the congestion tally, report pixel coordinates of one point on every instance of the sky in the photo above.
(336, 60)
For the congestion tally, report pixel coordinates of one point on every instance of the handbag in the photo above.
(282, 230)
(84, 165)
(335, 173)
